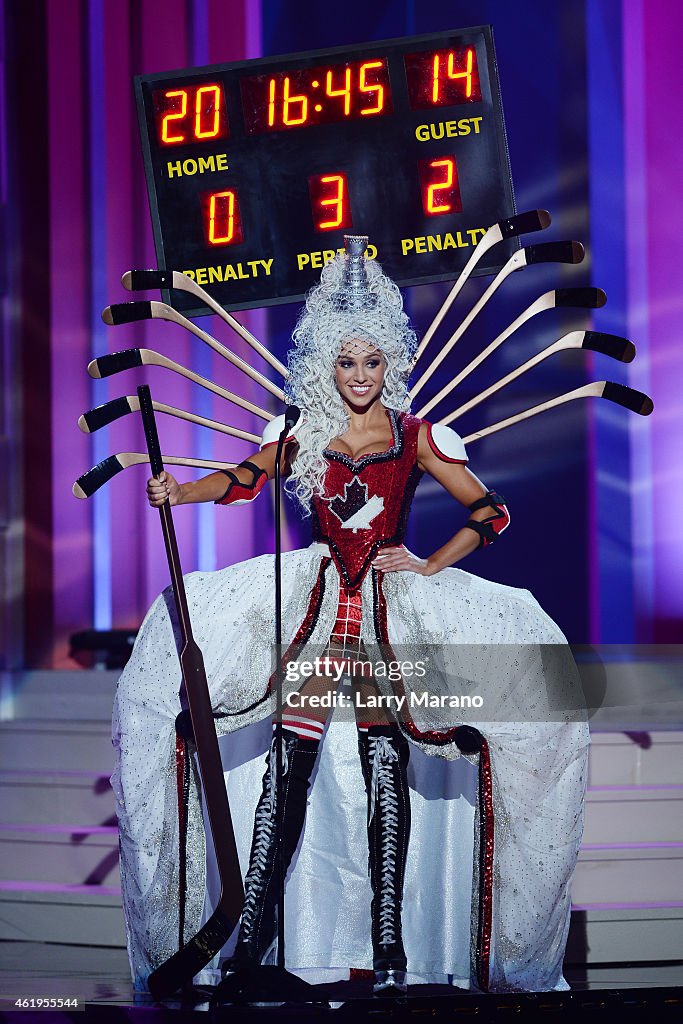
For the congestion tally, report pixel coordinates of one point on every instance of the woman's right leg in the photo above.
(301, 735)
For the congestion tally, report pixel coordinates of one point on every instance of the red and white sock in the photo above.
(305, 728)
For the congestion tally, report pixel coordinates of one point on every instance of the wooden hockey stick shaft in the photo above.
(131, 312)
(516, 262)
(111, 411)
(571, 340)
(590, 341)
(545, 301)
(640, 403)
(184, 964)
(533, 220)
(148, 357)
(546, 252)
(184, 283)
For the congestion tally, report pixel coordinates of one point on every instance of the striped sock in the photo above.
(305, 728)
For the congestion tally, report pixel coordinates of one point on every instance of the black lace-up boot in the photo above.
(258, 928)
(384, 759)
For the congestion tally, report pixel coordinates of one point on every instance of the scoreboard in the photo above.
(256, 170)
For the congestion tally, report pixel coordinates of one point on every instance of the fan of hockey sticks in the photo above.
(186, 962)
(523, 223)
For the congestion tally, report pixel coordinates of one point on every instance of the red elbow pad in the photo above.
(490, 528)
(239, 493)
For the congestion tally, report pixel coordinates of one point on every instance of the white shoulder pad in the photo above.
(274, 428)
(445, 443)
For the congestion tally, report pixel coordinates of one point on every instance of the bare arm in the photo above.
(462, 484)
(214, 486)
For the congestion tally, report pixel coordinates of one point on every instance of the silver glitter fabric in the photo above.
(539, 771)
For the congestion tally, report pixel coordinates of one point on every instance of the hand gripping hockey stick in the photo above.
(108, 468)
(195, 954)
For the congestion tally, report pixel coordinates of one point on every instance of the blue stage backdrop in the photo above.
(588, 92)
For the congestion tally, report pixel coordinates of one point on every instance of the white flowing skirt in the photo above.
(538, 770)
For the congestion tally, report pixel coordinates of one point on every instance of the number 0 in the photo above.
(225, 215)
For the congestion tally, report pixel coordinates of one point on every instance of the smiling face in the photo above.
(359, 373)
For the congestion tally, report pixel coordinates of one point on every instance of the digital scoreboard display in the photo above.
(256, 170)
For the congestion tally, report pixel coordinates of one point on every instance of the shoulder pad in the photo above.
(445, 443)
(273, 429)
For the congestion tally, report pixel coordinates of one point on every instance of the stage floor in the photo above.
(99, 978)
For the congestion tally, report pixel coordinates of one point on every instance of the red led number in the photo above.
(191, 115)
(440, 186)
(330, 201)
(442, 78)
(314, 96)
(345, 92)
(179, 95)
(452, 74)
(222, 221)
(364, 87)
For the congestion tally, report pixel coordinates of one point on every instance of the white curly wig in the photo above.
(334, 314)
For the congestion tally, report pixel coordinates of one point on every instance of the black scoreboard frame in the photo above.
(403, 119)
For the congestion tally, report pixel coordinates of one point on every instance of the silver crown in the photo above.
(354, 293)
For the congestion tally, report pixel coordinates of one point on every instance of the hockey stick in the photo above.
(128, 358)
(133, 312)
(607, 344)
(195, 954)
(521, 224)
(546, 252)
(106, 470)
(138, 280)
(636, 401)
(109, 412)
(586, 298)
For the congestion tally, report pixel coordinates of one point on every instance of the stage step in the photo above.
(73, 696)
(623, 814)
(60, 854)
(79, 915)
(654, 758)
(57, 797)
(29, 744)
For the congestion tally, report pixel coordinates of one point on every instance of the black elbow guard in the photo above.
(489, 529)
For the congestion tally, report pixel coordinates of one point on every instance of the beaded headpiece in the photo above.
(354, 301)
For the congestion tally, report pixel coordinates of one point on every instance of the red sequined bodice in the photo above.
(366, 501)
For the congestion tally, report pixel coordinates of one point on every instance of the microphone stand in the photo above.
(272, 982)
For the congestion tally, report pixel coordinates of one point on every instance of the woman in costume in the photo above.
(353, 460)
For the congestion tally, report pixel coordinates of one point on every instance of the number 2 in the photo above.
(165, 137)
(433, 206)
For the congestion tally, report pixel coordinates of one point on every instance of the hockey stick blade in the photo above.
(554, 252)
(127, 312)
(524, 223)
(104, 414)
(140, 280)
(96, 477)
(194, 955)
(631, 399)
(580, 298)
(105, 366)
(610, 345)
